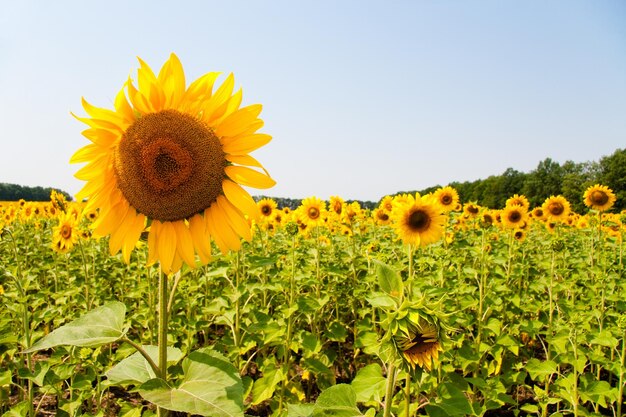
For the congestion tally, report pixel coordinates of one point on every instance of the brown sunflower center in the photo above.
(599, 198)
(313, 213)
(66, 231)
(446, 199)
(472, 209)
(383, 216)
(169, 165)
(556, 208)
(419, 220)
(266, 210)
(515, 216)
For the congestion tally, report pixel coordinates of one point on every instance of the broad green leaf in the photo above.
(337, 401)
(300, 410)
(211, 386)
(265, 386)
(369, 383)
(378, 299)
(389, 280)
(452, 401)
(136, 370)
(605, 338)
(540, 369)
(98, 327)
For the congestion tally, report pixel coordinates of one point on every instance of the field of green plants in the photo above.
(306, 321)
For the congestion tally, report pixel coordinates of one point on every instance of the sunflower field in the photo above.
(168, 290)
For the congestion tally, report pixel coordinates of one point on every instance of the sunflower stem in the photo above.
(407, 396)
(391, 382)
(162, 339)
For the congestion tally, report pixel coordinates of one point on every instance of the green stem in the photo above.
(391, 382)
(622, 371)
(407, 396)
(143, 353)
(82, 253)
(162, 339)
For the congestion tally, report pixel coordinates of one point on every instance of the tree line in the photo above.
(15, 192)
(569, 179)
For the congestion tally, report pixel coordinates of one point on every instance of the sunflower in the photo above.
(420, 346)
(266, 208)
(471, 209)
(599, 197)
(381, 216)
(447, 197)
(312, 211)
(386, 203)
(538, 214)
(336, 204)
(65, 234)
(420, 221)
(519, 235)
(518, 200)
(514, 217)
(172, 158)
(556, 208)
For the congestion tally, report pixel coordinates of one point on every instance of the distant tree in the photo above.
(613, 175)
(543, 182)
(15, 192)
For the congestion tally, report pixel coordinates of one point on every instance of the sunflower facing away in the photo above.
(599, 197)
(419, 221)
(420, 345)
(172, 157)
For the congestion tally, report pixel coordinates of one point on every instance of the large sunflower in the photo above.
(599, 197)
(312, 211)
(419, 220)
(556, 208)
(173, 158)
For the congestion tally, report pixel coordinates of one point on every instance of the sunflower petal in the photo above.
(244, 144)
(238, 121)
(235, 218)
(249, 177)
(184, 246)
(240, 199)
(201, 240)
(166, 245)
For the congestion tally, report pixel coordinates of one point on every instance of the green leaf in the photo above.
(389, 280)
(378, 299)
(369, 383)
(453, 402)
(265, 386)
(540, 369)
(300, 410)
(337, 401)
(136, 370)
(98, 327)
(211, 386)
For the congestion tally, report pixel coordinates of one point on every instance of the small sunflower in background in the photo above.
(267, 206)
(599, 197)
(173, 158)
(336, 205)
(312, 212)
(519, 235)
(556, 208)
(471, 209)
(419, 221)
(514, 216)
(538, 214)
(447, 197)
(382, 216)
(518, 200)
(65, 234)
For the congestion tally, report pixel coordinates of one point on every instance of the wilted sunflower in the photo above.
(65, 234)
(518, 200)
(556, 208)
(312, 211)
(514, 216)
(174, 158)
(599, 197)
(447, 197)
(420, 221)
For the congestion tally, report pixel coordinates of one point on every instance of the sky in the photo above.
(362, 98)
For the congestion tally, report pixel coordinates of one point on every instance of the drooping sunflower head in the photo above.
(518, 200)
(420, 346)
(599, 197)
(419, 221)
(556, 208)
(447, 197)
(172, 157)
(514, 216)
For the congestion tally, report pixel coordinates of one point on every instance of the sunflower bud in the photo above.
(291, 228)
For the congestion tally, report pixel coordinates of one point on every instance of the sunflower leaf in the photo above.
(389, 280)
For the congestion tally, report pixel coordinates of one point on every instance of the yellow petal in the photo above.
(153, 238)
(184, 246)
(123, 108)
(172, 79)
(241, 145)
(88, 153)
(201, 88)
(235, 218)
(102, 137)
(103, 114)
(240, 199)
(132, 236)
(238, 121)
(249, 177)
(218, 103)
(166, 245)
(201, 239)
(137, 99)
(246, 160)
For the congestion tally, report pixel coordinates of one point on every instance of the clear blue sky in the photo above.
(362, 98)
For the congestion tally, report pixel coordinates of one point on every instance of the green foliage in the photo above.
(14, 192)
